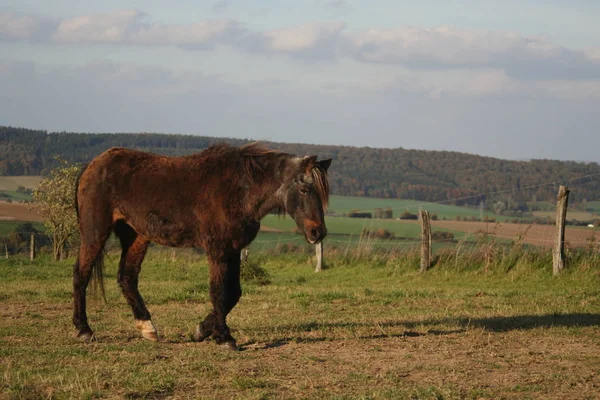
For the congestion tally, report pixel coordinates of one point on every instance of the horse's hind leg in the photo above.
(133, 252)
(89, 257)
(225, 291)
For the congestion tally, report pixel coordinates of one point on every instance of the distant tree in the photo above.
(54, 199)
(408, 215)
(499, 207)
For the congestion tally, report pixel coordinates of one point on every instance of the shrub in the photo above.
(408, 215)
(439, 236)
(251, 271)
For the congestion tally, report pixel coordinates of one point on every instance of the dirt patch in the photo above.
(539, 235)
(17, 212)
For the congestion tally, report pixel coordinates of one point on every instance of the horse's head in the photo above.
(306, 196)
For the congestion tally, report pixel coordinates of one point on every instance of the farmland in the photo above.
(12, 183)
(17, 212)
(355, 330)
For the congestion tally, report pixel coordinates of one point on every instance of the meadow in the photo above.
(365, 327)
(10, 184)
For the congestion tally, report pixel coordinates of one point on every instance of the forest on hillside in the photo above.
(356, 171)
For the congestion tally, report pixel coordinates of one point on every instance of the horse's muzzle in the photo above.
(316, 234)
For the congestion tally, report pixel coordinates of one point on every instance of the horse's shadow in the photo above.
(491, 324)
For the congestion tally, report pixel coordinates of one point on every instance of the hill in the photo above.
(357, 171)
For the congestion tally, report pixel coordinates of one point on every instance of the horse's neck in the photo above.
(269, 194)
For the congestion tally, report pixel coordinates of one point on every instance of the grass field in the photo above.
(352, 226)
(343, 204)
(593, 206)
(17, 212)
(6, 227)
(11, 183)
(578, 215)
(351, 331)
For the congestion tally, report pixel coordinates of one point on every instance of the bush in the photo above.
(439, 236)
(251, 271)
(378, 233)
(408, 215)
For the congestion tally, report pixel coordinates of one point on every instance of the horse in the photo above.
(214, 199)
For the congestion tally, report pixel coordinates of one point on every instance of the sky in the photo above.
(516, 79)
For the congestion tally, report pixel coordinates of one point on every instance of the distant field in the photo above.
(539, 235)
(352, 226)
(593, 206)
(7, 227)
(343, 204)
(12, 183)
(17, 212)
(578, 215)
(543, 205)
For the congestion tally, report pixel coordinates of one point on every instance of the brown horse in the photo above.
(214, 199)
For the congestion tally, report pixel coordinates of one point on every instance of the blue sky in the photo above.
(511, 79)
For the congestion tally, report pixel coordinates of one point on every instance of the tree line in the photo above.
(357, 171)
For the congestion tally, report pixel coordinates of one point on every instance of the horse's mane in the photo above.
(253, 154)
(319, 176)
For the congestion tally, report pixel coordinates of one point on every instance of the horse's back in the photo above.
(161, 197)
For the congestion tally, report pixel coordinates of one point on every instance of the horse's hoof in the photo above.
(200, 334)
(147, 329)
(230, 345)
(86, 336)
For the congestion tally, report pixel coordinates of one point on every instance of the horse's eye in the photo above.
(304, 191)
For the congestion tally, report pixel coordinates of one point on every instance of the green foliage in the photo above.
(54, 199)
(408, 215)
(252, 271)
(380, 173)
(18, 239)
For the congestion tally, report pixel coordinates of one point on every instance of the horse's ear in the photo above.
(308, 163)
(324, 164)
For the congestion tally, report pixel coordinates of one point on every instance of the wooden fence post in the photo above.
(32, 247)
(558, 253)
(244, 255)
(425, 240)
(6, 252)
(319, 251)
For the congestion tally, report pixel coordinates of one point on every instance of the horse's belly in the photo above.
(175, 232)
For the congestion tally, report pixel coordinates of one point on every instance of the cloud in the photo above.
(448, 47)
(221, 5)
(16, 26)
(338, 5)
(105, 96)
(441, 48)
(130, 27)
(315, 41)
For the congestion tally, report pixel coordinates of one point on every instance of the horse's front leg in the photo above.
(225, 291)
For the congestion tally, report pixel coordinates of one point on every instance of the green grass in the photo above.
(7, 227)
(354, 226)
(13, 195)
(343, 204)
(355, 330)
(593, 206)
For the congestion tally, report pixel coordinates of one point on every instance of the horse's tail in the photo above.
(77, 189)
(98, 263)
(97, 274)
